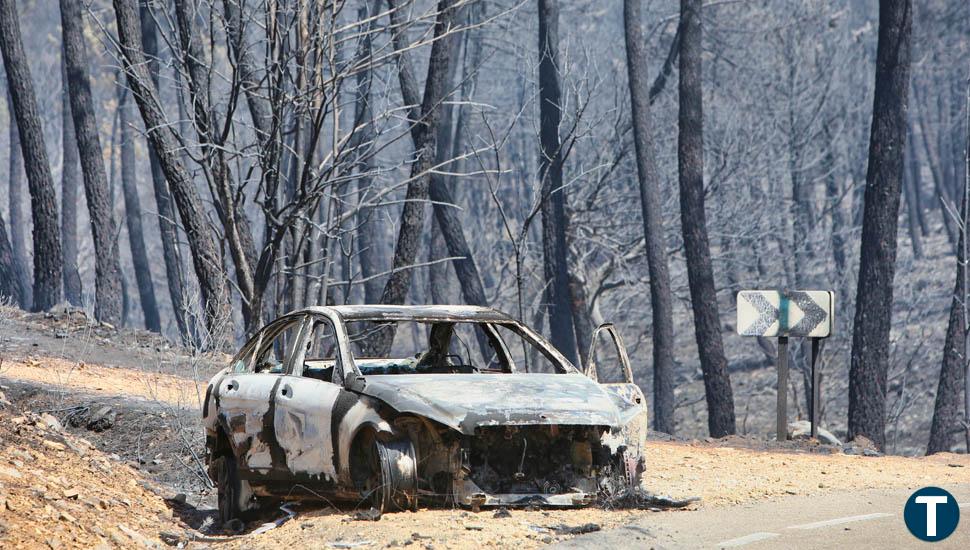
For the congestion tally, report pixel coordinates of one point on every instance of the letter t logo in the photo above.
(931, 502)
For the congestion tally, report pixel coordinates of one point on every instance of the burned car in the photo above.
(453, 404)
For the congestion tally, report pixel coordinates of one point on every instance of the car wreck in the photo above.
(464, 405)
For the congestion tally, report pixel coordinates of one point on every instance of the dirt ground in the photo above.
(76, 488)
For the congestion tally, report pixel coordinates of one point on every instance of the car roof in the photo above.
(415, 313)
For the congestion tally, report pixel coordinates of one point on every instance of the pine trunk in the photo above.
(174, 272)
(107, 289)
(69, 179)
(48, 263)
(553, 209)
(17, 222)
(874, 295)
(651, 202)
(423, 135)
(136, 235)
(205, 252)
(700, 273)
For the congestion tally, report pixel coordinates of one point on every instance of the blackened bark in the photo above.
(107, 307)
(367, 255)
(9, 281)
(946, 408)
(69, 178)
(700, 273)
(554, 253)
(136, 235)
(651, 201)
(43, 201)
(238, 232)
(205, 253)
(423, 135)
(16, 208)
(259, 107)
(874, 294)
(174, 273)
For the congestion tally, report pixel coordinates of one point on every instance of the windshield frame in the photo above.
(563, 365)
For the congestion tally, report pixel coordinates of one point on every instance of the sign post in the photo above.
(784, 314)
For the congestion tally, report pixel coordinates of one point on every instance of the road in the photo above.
(870, 519)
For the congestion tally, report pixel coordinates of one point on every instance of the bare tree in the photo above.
(874, 296)
(205, 254)
(555, 264)
(423, 131)
(43, 201)
(69, 179)
(661, 298)
(9, 281)
(136, 236)
(700, 273)
(946, 410)
(16, 209)
(171, 255)
(108, 295)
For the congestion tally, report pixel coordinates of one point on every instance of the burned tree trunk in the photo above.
(17, 242)
(239, 239)
(364, 119)
(423, 135)
(69, 177)
(946, 409)
(700, 273)
(168, 230)
(554, 253)
(651, 202)
(9, 280)
(136, 236)
(874, 295)
(107, 306)
(954, 371)
(205, 252)
(43, 201)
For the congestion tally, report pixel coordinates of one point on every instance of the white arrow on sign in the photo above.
(797, 313)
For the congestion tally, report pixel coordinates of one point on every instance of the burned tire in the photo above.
(234, 493)
(393, 481)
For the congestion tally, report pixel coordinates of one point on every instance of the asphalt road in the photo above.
(864, 520)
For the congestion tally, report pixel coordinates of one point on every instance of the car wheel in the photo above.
(394, 476)
(234, 493)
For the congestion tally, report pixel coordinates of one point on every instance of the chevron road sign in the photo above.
(795, 313)
(784, 314)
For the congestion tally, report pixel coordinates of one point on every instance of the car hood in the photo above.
(467, 401)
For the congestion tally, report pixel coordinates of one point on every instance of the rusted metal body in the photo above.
(403, 429)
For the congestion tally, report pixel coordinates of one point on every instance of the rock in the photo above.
(51, 422)
(3, 401)
(802, 429)
(502, 512)
(102, 419)
(474, 527)
(576, 529)
(13, 473)
(861, 445)
(73, 493)
(53, 445)
(67, 517)
(373, 514)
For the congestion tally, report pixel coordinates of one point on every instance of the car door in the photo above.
(607, 346)
(305, 400)
(245, 395)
